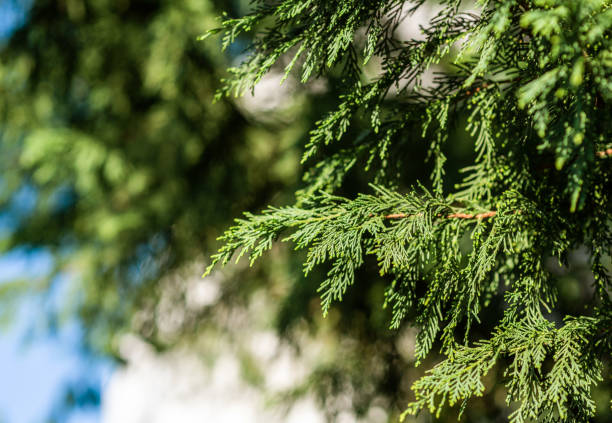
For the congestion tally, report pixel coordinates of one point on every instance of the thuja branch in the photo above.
(326, 221)
(539, 79)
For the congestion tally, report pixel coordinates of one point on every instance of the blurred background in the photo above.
(118, 172)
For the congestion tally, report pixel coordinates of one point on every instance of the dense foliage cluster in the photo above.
(530, 84)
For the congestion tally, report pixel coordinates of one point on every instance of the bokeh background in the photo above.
(117, 173)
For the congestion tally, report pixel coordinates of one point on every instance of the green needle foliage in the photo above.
(530, 82)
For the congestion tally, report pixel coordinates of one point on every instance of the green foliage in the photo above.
(530, 84)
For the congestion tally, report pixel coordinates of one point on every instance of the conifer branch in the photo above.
(539, 65)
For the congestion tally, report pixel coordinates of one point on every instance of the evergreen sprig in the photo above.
(533, 81)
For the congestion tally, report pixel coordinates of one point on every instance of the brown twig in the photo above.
(604, 153)
(400, 215)
(450, 216)
(472, 216)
